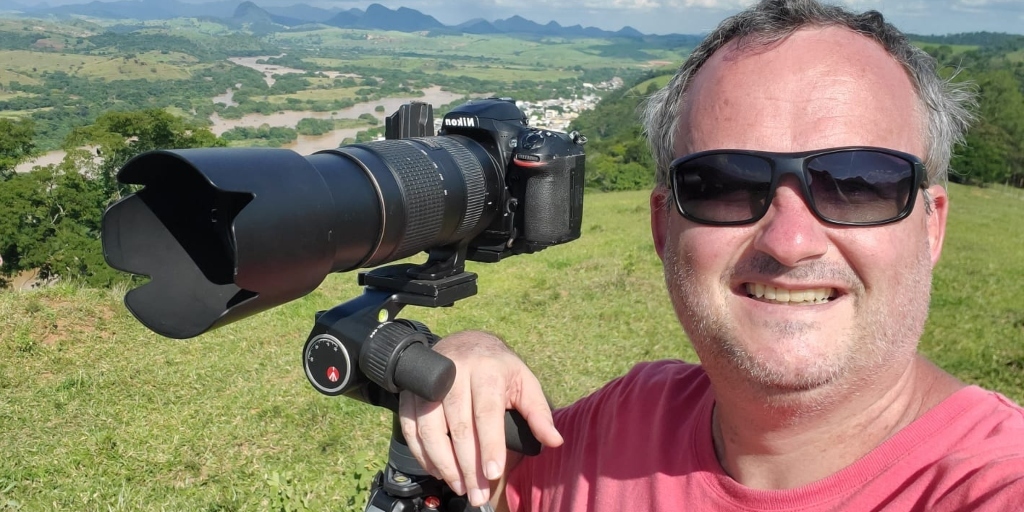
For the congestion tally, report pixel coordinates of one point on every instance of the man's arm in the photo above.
(462, 438)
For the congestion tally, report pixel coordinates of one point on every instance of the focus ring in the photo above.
(424, 196)
(476, 186)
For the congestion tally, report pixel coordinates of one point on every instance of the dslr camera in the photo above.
(226, 233)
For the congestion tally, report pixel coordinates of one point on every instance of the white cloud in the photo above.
(723, 5)
(983, 3)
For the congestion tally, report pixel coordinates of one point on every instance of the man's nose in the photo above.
(789, 231)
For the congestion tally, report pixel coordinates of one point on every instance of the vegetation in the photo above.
(100, 414)
(617, 154)
(228, 422)
(62, 101)
(65, 75)
(268, 136)
(16, 144)
(994, 152)
(51, 224)
(617, 158)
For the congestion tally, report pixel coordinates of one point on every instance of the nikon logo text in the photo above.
(460, 122)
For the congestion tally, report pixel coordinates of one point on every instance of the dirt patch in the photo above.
(56, 318)
(48, 44)
(28, 280)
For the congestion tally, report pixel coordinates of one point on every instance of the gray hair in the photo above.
(948, 105)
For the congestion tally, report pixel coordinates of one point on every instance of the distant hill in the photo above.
(139, 9)
(972, 39)
(375, 17)
(259, 20)
(403, 19)
(378, 17)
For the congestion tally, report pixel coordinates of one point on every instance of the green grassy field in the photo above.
(957, 48)
(147, 65)
(97, 413)
(495, 49)
(332, 94)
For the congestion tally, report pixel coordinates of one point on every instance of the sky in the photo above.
(700, 16)
(686, 16)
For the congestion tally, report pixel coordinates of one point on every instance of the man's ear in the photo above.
(659, 218)
(937, 220)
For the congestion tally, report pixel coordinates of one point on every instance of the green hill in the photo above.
(99, 413)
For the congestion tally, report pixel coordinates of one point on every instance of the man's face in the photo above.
(820, 88)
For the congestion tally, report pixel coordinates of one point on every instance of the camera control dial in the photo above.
(327, 364)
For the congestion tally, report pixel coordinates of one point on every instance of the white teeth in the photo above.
(811, 296)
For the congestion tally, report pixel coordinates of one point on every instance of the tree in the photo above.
(52, 217)
(16, 144)
(52, 225)
(994, 149)
(119, 136)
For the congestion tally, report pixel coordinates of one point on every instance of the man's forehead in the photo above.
(819, 87)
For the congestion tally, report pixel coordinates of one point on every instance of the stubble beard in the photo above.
(882, 339)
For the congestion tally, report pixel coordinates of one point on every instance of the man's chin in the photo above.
(772, 376)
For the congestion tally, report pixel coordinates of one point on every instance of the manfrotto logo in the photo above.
(460, 122)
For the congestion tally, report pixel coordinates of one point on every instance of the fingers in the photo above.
(442, 437)
(533, 405)
(463, 414)
(489, 404)
(426, 433)
(462, 439)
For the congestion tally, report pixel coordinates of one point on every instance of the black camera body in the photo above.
(226, 233)
(544, 178)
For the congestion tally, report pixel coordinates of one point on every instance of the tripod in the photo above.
(362, 350)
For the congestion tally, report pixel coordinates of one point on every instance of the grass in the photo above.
(4, 95)
(8, 75)
(956, 48)
(658, 82)
(100, 414)
(29, 66)
(456, 65)
(549, 53)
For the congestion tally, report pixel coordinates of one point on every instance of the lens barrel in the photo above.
(227, 233)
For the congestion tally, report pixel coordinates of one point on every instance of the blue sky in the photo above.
(689, 16)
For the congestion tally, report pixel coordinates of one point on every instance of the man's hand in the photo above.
(462, 439)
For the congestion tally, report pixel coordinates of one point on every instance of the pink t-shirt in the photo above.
(643, 442)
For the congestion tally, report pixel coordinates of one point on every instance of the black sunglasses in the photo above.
(850, 186)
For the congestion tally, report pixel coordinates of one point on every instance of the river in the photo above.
(304, 145)
(309, 144)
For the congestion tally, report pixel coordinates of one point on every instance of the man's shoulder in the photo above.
(980, 459)
(971, 424)
(989, 414)
(670, 375)
(652, 384)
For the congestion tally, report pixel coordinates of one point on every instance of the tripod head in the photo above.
(362, 350)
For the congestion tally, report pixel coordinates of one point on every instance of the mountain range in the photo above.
(375, 17)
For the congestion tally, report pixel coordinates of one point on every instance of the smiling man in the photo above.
(799, 211)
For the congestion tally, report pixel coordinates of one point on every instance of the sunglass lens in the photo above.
(860, 186)
(723, 188)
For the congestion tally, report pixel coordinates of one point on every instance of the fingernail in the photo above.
(493, 471)
(458, 488)
(476, 497)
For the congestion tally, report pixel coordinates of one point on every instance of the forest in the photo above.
(618, 159)
(51, 221)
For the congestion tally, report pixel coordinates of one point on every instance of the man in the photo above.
(799, 211)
